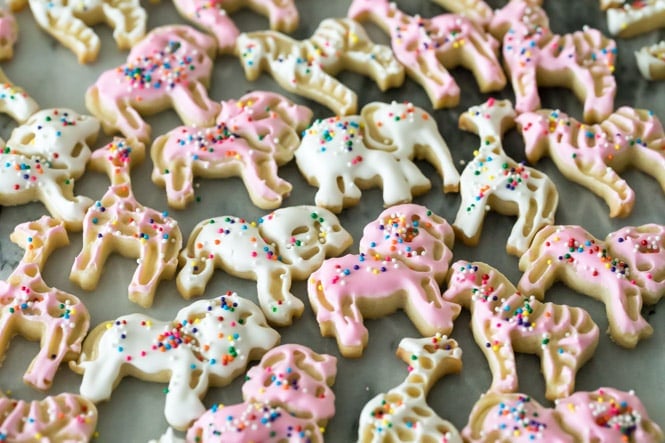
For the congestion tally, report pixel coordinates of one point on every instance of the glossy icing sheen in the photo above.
(64, 417)
(375, 283)
(402, 414)
(8, 33)
(252, 137)
(213, 340)
(429, 47)
(651, 61)
(629, 18)
(505, 321)
(286, 244)
(532, 53)
(594, 155)
(14, 101)
(342, 154)
(494, 180)
(168, 68)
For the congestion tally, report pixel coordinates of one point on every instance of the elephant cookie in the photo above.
(170, 67)
(287, 398)
(8, 34)
(208, 343)
(651, 61)
(252, 137)
(630, 18)
(341, 155)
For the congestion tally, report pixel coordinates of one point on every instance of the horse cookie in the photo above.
(651, 61)
(253, 136)
(208, 343)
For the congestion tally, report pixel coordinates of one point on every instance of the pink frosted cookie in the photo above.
(428, 47)
(8, 34)
(59, 418)
(534, 56)
(623, 271)
(209, 343)
(341, 155)
(117, 222)
(494, 180)
(477, 10)
(28, 306)
(651, 61)
(212, 15)
(42, 158)
(308, 67)
(404, 256)
(594, 155)
(70, 22)
(505, 321)
(628, 18)
(287, 398)
(287, 244)
(402, 414)
(252, 137)
(170, 67)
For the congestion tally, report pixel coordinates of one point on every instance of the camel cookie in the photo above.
(390, 416)
(534, 56)
(341, 155)
(117, 222)
(8, 34)
(28, 306)
(287, 244)
(504, 321)
(651, 61)
(308, 67)
(70, 22)
(428, 47)
(494, 180)
(287, 398)
(208, 343)
(212, 15)
(169, 68)
(63, 417)
(625, 270)
(476, 10)
(630, 18)
(43, 157)
(404, 256)
(594, 155)
(252, 137)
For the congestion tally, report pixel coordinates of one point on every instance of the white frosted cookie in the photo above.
(630, 18)
(651, 61)
(208, 343)
(8, 33)
(14, 101)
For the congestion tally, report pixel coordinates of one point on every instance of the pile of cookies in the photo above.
(204, 284)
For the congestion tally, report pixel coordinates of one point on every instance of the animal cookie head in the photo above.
(38, 239)
(517, 14)
(118, 157)
(492, 118)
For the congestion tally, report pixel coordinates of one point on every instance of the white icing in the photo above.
(649, 15)
(651, 61)
(14, 101)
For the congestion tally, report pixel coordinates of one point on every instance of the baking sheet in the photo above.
(52, 76)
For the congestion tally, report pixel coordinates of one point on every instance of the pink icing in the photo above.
(170, 67)
(256, 134)
(428, 47)
(8, 33)
(532, 52)
(593, 155)
(64, 417)
(504, 321)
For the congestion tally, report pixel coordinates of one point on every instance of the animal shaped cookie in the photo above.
(476, 10)
(428, 47)
(287, 244)
(31, 308)
(604, 415)
(493, 179)
(63, 417)
(252, 137)
(213, 16)
(287, 398)
(651, 61)
(44, 156)
(594, 155)
(505, 321)
(404, 257)
(340, 155)
(623, 271)
(8, 34)
(630, 18)
(170, 67)
(119, 223)
(70, 22)
(14, 101)
(308, 67)
(534, 56)
(402, 414)
(208, 343)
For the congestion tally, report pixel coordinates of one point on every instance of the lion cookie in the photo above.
(252, 137)
(208, 343)
(630, 18)
(169, 68)
(341, 155)
(651, 61)
(287, 398)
